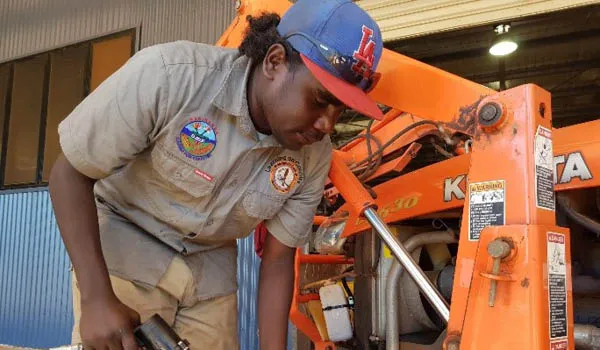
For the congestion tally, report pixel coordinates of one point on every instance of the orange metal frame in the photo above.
(502, 152)
(300, 320)
(422, 191)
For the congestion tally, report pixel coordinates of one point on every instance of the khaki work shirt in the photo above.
(181, 168)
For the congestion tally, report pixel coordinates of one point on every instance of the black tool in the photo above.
(156, 334)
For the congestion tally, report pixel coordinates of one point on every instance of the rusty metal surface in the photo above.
(32, 26)
(466, 120)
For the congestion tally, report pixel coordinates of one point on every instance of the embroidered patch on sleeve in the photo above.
(285, 173)
(197, 139)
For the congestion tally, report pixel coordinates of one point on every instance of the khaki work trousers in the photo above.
(207, 324)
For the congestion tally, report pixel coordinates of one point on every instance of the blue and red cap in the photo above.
(341, 45)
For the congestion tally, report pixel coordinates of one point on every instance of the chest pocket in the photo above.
(174, 190)
(182, 176)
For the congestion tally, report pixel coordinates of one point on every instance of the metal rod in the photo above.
(586, 337)
(430, 292)
(565, 203)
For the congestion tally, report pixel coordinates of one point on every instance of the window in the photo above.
(38, 92)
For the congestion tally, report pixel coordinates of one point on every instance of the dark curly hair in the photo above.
(261, 34)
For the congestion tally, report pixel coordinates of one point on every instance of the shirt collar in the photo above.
(232, 99)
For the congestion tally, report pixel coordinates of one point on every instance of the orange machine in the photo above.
(496, 271)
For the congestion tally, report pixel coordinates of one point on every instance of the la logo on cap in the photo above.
(365, 54)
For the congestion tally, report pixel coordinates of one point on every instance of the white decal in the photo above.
(575, 166)
(451, 187)
(544, 183)
(486, 206)
(557, 286)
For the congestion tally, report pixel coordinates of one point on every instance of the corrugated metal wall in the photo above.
(248, 271)
(35, 287)
(35, 293)
(32, 26)
(248, 268)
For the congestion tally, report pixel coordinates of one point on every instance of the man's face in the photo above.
(297, 107)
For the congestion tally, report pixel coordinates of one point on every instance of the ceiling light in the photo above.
(504, 44)
(503, 48)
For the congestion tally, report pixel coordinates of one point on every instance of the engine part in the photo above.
(383, 266)
(587, 222)
(595, 254)
(365, 288)
(587, 337)
(336, 311)
(412, 315)
(413, 269)
(436, 345)
(586, 310)
(392, 337)
(439, 254)
(586, 285)
(445, 280)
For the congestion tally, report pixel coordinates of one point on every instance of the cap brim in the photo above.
(349, 94)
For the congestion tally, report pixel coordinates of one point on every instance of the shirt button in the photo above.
(233, 183)
(192, 235)
(209, 222)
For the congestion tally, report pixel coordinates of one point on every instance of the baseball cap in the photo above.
(341, 45)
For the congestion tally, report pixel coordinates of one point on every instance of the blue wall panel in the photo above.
(35, 294)
(248, 268)
(35, 282)
(248, 271)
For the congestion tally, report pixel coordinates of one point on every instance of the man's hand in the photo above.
(108, 324)
(275, 286)
(105, 322)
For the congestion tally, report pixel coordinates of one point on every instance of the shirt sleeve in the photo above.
(119, 119)
(292, 225)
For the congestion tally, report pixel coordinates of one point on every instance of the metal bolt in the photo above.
(490, 113)
(453, 345)
(498, 249)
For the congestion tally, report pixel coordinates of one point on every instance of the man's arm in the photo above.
(105, 322)
(275, 286)
(289, 228)
(106, 131)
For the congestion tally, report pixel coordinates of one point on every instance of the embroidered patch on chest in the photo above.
(197, 139)
(285, 173)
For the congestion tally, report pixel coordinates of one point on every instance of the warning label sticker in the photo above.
(486, 206)
(557, 285)
(544, 181)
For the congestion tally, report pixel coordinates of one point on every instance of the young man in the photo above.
(187, 148)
